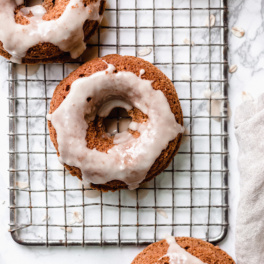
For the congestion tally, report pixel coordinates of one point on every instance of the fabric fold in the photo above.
(249, 130)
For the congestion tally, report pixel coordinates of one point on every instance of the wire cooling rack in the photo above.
(190, 198)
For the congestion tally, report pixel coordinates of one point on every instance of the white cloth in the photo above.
(249, 124)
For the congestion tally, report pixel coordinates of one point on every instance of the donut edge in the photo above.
(52, 53)
(205, 251)
(98, 64)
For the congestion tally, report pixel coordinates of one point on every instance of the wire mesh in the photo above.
(190, 198)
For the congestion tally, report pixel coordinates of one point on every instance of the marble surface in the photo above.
(247, 53)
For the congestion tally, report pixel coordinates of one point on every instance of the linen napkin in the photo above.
(249, 129)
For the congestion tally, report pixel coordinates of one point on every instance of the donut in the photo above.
(85, 98)
(56, 31)
(183, 250)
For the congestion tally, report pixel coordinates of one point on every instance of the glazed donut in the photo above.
(184, 250)
(55, 31)
(82, 101)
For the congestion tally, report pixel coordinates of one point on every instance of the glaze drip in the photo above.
(130, 159)
(178, 255)
(66, 32)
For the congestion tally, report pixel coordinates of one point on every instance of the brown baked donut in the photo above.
(95, 136)
(48, 49)
(157, 253)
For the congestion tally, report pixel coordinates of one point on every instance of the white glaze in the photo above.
(66, 32)
(48, 116)
(131, 158)
(133, 126)
(106, 108)
(178, 255)
(141, 72)
(122, 137)
(38, 11)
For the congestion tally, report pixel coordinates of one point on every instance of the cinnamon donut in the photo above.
(55, 31)
(87, 96)
(184, 250)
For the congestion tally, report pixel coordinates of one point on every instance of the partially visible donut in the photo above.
(146, 80)
(55, 31)
(184, 250)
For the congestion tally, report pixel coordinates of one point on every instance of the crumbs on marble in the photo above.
(238, 32)
(246, 96)
(76, 218)
(162, 213)
(22, 185)
(233, 68)
(215, 105)
(186, 77)
(144, 52)
(68, 229)
(45, 217)
(188, 42)
(210, 21)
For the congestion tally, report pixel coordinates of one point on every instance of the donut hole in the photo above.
(117, 121)
(32, 8)
(29, 3)
(54, 9)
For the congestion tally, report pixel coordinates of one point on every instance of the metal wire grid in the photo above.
(178, 219)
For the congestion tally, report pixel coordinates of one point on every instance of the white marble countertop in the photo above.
(246, 52)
